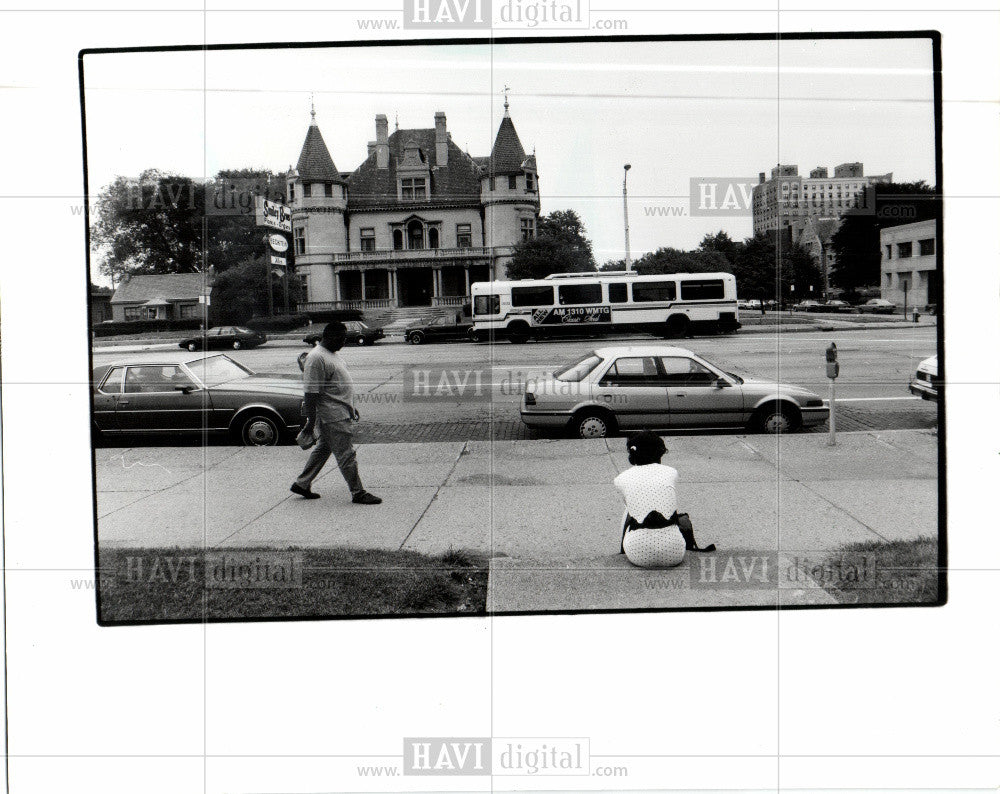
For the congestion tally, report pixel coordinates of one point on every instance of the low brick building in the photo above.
(175, 296)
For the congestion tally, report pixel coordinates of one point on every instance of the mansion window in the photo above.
(527, 228)
(367, 239)
(529, 182)
(304, 287)
(433, 238)
(413, 188)
(512, 182)
(291, 193)
(300, 240)
(307, 190)
(493, 183)
(328, 189)
(463, 234)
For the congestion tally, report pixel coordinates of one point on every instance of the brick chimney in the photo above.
(440, 139)
(381, 141)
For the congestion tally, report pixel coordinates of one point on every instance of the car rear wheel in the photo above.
(416, 338)
(677, 326)
(237, 344)
(259, 430)
(361, 341)
(593, 424)
(776, 418)
(192, 346)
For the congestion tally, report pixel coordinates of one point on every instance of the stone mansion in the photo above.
(415, 224)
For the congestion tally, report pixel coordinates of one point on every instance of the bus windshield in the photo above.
(578, 370)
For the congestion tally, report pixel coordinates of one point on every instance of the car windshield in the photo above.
(578, 370)
(216, 370)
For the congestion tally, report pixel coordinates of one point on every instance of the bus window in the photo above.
(573, 294)
(487, 304)
(703, 290)
(531, 296)
(618, 292)
(650, 291)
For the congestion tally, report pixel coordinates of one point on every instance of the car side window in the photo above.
(632, 371)
(686, 371)
(157, 378)
(113, 383)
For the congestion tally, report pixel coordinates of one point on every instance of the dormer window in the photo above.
(529, 182)
(414, 188)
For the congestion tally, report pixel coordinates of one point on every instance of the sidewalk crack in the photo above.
(433, 499)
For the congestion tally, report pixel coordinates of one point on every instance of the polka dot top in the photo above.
(647, 488)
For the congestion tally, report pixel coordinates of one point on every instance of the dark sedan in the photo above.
(209, 394)
(440, 329)
(357, 333)
(230, 337)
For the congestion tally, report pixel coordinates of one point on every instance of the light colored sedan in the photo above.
(926, 382)
(659, 387)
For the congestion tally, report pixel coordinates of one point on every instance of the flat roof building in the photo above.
(910, 275)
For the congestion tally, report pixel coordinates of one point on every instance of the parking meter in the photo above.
(832, 366)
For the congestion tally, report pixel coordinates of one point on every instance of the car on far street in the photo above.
(755, 304)
(926, 383)
(440, 329)
(808, 306)
(660, 387)
(878, 306)
(231, 337)
(357, 333)
(838, 306)
(183, 396)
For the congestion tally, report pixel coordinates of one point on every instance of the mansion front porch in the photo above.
(372, 280)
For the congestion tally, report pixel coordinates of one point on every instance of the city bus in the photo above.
(674, 305)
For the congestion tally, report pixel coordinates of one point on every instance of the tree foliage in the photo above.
(672, 260)
(767, 271)
(856, 244)
(240, 292)
(560, 246)
(167, 223)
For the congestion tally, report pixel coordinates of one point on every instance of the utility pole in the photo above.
(628, 250)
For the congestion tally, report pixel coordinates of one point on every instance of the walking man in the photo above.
(329, 409)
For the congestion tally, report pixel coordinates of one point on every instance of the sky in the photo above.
(673, 110)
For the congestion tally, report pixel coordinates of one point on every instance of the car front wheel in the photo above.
(416, 338)
(593, 424)
(237, 344)
(192, 346)
(361, 341)
(774, 419)
(259, 430)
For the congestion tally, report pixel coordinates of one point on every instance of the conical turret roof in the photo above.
(508, 154)
(315, 163)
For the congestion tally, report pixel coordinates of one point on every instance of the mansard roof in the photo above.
(456, 182)
(315, 163)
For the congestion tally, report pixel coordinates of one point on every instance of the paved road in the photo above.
(876, 366)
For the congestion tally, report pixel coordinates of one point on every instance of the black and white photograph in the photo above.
(506, 396)
(451, 337)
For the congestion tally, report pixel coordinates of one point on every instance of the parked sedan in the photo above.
(440, 329)
(838, 306)
(357, 332)
(878, 306)
(212, 393)
(658, 387)
(926, 383)
(225, 336)
(808, 306)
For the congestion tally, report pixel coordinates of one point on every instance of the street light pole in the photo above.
(628, 250)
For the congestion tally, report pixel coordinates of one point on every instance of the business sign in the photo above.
(278, 242)
(275, 215)
(570, 315)
(279, 260)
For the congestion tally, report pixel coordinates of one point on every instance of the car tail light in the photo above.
(529, 398)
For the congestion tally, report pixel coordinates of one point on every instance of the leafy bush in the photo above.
(278, 323)
(144, 326)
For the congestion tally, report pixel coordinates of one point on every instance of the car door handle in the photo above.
(678, 394)
(123, 402)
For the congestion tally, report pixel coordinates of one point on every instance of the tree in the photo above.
(721, 243)
(167, 223)
(672, 260)
(561, 246)
(612, 266)
(856, 245)
(766, 271)
(240, 292)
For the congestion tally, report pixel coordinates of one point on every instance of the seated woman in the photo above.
(651, 536)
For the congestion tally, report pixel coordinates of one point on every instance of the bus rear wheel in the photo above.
(677, 326)
(517, 333)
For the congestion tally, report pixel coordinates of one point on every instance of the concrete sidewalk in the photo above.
(546, 512)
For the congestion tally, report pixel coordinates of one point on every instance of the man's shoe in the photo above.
(296, 488)
(365, 498)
